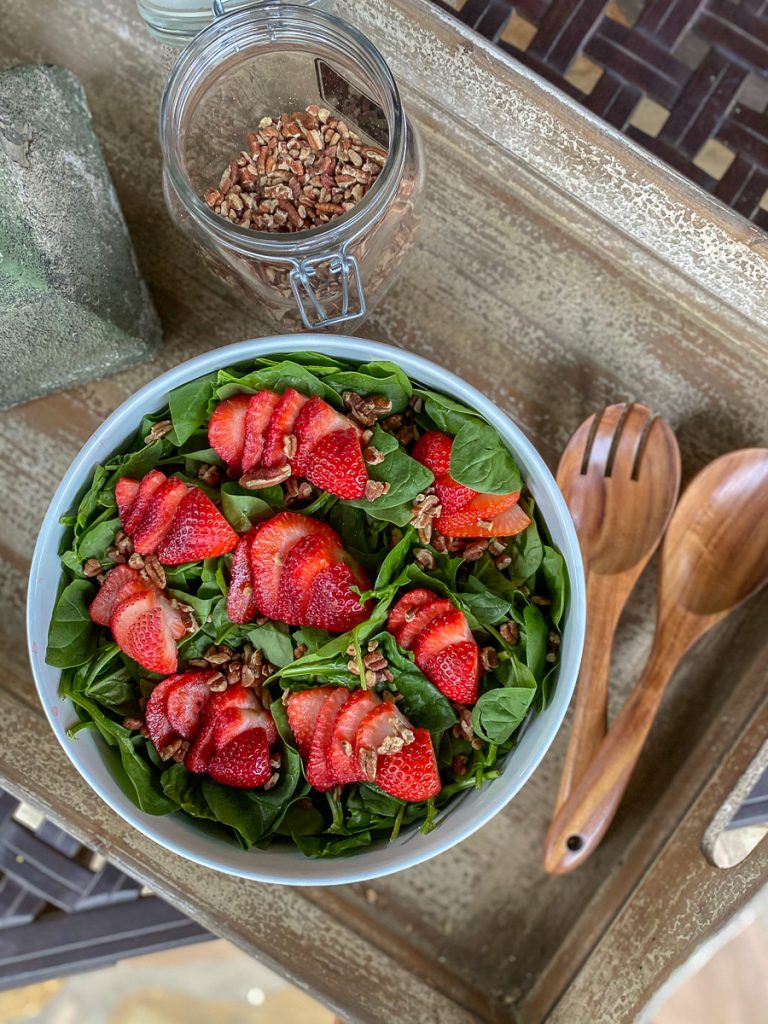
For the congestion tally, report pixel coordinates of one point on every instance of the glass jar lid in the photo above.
(176, 22)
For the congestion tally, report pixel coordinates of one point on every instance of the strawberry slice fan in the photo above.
(346, 737)
(464, 512)
(294, 569)
(271, 437)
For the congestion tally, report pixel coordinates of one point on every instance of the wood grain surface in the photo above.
(559, 269)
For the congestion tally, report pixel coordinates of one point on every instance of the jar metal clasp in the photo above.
(344, 268)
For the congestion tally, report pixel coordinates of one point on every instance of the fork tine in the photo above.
(628, 441)
(598, 455)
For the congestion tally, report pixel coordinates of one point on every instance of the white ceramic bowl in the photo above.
(464, 815)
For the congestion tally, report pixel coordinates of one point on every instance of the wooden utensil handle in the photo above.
(584, 819)
(590, 716)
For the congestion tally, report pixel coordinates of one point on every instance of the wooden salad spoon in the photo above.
(620, 476)
(714, 556)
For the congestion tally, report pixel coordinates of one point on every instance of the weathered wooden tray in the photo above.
(559, 268)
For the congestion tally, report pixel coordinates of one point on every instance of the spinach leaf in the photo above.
(97, 538)
(115, 690)
(445, 413)
(301, 819)
(405, 476)
(90, 500)
(395, 559)
(499, 712)
(138, 464)
(313, 639)
(480, 459)
(243, 509)
(185, 789)
(274, 642)
(377, 378)
(486, 607)
(423, 704)
(536, 633)
(553, 571)
(329, 846)
(277, 377)
(234, 807)
(513, 672)
(188, 406)
(526, 552)
(71, 634)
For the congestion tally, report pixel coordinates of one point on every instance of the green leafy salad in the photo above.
(310, 603)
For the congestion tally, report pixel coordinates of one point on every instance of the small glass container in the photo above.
(266, 61)
(175, 22)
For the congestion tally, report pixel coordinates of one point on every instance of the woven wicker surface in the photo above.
(687, 79)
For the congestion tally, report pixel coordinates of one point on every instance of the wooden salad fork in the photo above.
(620, 475)
(714, 557)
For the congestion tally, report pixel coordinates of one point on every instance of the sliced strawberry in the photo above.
(302, 710)
(343, 766)
(241, 597)
(260, 409)
(157, 519)
(411, 773)
(226, 429)
(315, 420)
(160, 730)
(185, 702)
(476, 518)
(508, 523)
(453, 496)
(233, 721)
(204, 746)
(126, 492)
(455, 671)
(409, 631)
(306, 560)
(269, 552)
(336, 464)
(141, 630)
(332, 604)
(407, 607)
(433, 450)
(450, 628)
(198, 531)
(148, 488)
(119, 582)
(172, 616)
(243, 763)
(383, 730)
(317, 767)
(280, 426)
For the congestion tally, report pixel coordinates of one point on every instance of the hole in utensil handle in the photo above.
(574, 843)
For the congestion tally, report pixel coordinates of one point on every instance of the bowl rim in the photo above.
(317, 871)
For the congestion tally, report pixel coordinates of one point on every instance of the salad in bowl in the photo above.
(308, 605)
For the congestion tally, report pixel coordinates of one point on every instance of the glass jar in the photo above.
(266, 61)
(175, 22)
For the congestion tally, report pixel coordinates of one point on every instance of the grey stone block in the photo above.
(73, 305)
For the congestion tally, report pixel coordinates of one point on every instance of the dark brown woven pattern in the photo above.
(687, 79)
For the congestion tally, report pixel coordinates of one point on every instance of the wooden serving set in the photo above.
(559, 267)
(620, 475)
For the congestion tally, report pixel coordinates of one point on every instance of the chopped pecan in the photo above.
(158, 430)
(489, 658)
(91, 567)
(152, 571)
(510, 631)
(258, 479)
(375, 489)
(209, 474)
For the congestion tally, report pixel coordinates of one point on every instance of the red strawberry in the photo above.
(243, 763)
(157, 519)
(269, 552)
(317, 767)
(226, 429)
(241, 597)
(198, 531)
(307, 558)
(315, 420)
(407, 607)
(302, 710)
(383, 730)
(233, 721)
(336, 464)
(409, 631)
(453, 496)
(455, 671)
(332, 604)
(433, 450)
(280, 426)
(341, 750)
(141, 630)
(160, 730)
(185, 702)
(508, 523)
(260, 409)
(148, 487)
(449, 628)
(126, 492)
(411, 773)
(172, 616)
(119, 582)
(204, 746)
(476, 519)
